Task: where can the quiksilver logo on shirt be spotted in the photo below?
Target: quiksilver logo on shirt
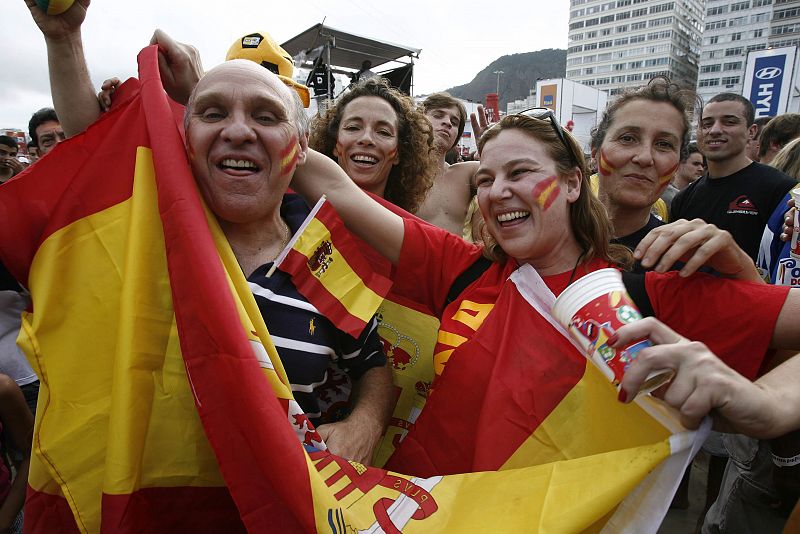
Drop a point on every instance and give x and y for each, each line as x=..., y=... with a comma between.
x=742, y=206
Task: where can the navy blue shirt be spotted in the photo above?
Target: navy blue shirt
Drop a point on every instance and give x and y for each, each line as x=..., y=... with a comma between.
x=306, y=341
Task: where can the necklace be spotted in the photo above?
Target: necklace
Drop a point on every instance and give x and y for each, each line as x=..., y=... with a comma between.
x=578, y=262
x=284, y=239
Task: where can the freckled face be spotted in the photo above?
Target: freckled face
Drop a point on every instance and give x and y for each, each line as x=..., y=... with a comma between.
x=523, y=200
x=640, y=153
x=366, y=145
x=242, y=146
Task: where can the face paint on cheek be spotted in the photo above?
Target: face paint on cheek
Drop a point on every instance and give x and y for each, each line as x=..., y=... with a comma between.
x=663, y=180
x=289, y=156
x=545, y=192
x=604, y=167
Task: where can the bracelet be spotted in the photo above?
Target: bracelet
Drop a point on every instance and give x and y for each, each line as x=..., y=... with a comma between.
x=786, y=462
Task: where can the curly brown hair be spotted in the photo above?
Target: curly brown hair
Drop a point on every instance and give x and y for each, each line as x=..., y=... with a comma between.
x=588, y=217
x=409, y=180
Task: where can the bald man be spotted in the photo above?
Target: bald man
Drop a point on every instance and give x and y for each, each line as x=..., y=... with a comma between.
x=240, y=120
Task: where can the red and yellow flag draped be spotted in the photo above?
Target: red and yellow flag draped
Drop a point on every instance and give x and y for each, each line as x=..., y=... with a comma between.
x=163, y=404
x=160, y=385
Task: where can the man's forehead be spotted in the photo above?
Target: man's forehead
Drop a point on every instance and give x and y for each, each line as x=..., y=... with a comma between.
x=452, y=110
x=49, y=126
x=240, y=72
x=726, y=108
x=7, y=148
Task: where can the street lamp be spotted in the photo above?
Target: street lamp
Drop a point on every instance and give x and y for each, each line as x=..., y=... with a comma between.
x=498, y=73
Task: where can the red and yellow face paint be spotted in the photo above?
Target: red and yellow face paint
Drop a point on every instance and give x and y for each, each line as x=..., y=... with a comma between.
x=289, y=156
x=665, y=179
x=604, y=167
x=545, y=192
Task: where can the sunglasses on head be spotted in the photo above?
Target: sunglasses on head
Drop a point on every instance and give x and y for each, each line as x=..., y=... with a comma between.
x=543, y=114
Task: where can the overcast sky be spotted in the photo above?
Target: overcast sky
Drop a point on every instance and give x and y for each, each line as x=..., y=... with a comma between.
x=457, y=39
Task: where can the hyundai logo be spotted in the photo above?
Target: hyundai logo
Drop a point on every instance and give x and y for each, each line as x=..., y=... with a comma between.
x=768, y=73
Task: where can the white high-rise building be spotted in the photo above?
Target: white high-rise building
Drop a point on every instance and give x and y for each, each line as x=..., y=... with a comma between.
x=618, y=44
x=784, y=28
x=734, y=28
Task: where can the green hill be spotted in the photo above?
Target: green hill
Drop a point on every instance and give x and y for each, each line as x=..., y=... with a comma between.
x=520, y=72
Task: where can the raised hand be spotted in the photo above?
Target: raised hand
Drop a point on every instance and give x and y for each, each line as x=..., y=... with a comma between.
x=179, y=65
x=62, y=25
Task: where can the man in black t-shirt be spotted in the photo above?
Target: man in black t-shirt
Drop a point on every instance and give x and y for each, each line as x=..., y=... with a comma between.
x=736, y=194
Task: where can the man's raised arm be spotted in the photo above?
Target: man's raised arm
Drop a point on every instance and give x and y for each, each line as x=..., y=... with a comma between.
x=74, y=98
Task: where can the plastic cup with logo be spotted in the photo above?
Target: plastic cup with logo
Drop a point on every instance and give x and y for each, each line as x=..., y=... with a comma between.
x=592, y=309
x=795, y=249
x=788, y=271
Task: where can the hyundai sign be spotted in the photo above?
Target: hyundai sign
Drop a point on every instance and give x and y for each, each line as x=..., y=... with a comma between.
x=768, y=80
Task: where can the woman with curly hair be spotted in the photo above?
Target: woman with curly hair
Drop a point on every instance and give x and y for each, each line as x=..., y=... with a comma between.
x=381, y=140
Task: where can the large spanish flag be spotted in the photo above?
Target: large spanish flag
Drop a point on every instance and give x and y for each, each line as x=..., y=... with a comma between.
x=160, y=385
x=520, y=394
x=164, y=406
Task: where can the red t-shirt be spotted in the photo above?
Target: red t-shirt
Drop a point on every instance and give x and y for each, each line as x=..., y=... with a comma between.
x=735, y=319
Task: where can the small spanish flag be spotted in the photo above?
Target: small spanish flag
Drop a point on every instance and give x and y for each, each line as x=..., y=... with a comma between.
x=328, y=269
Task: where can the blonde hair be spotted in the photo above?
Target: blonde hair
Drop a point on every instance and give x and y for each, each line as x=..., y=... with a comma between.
x=787, y=160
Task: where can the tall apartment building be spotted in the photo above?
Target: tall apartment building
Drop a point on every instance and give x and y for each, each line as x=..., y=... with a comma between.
x=734, y=28
x=618, y=44
x=784, y=28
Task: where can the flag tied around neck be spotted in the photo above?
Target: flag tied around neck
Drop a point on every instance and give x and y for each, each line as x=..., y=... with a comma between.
x=164, y=405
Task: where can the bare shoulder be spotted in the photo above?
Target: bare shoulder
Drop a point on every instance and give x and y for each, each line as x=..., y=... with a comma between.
x=462, y=170
x=459, y=175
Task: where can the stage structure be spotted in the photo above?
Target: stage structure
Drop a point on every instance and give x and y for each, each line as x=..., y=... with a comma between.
x=326, y=51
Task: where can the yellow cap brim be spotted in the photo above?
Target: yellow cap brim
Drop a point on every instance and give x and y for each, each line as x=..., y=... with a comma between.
x=302, y=90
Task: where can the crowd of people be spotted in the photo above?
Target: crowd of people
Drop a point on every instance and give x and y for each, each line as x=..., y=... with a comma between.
x=705, y=280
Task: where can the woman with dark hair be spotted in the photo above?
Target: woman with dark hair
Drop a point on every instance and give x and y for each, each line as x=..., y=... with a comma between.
x=381, y=140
